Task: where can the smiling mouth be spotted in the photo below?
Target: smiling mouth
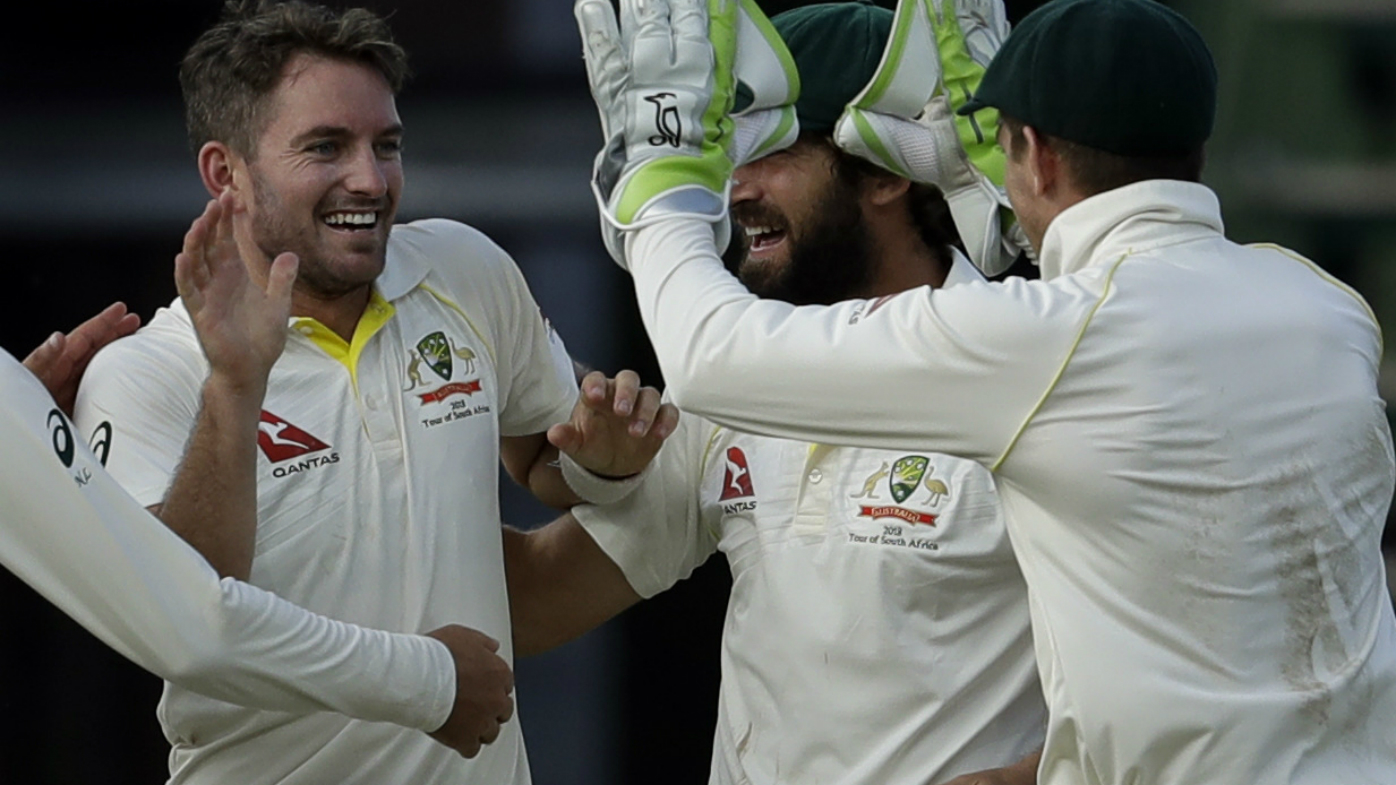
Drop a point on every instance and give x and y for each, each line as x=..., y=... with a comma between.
x=349, y=221
x=763, y=238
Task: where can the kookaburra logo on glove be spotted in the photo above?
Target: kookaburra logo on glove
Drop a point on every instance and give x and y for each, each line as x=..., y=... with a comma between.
x=666, y=120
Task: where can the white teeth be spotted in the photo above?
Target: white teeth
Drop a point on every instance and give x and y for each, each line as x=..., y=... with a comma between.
x=752, y=231
x=351, y=219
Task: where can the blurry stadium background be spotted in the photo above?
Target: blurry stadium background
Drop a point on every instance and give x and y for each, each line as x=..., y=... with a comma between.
x=97, y=187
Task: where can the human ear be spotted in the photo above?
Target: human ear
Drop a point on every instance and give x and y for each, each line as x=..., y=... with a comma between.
x=216, y=165
x=1042, y=161
x=883, y=190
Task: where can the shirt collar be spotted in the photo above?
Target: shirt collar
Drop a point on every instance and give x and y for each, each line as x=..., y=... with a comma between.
x=961, y=270
x=1136, y=217
x=402, y=272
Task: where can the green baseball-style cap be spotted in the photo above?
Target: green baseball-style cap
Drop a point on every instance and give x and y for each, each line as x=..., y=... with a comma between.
x=836, y=47
x=1129, y=77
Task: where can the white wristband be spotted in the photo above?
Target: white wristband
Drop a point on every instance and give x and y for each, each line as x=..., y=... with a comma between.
x=593, y=488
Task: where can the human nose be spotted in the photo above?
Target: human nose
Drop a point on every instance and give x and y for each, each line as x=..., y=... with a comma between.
x=746, y=184
x=367, y=174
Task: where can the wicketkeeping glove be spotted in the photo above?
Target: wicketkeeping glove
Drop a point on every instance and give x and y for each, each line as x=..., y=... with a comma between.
x=905, y=121
x=664, y=82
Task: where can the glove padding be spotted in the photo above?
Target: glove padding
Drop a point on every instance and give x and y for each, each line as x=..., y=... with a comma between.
x=905, y=121
x=664, y=82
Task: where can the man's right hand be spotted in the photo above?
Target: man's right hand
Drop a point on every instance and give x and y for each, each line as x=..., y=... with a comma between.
x=241, y=323
x=484, y=684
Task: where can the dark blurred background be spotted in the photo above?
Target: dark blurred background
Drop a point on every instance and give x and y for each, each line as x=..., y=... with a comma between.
x=98, y=186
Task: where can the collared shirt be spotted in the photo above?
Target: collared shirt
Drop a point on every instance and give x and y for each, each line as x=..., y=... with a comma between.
x=1193, y=459
x=70, y=532
x=877, y=630
x=377, y=488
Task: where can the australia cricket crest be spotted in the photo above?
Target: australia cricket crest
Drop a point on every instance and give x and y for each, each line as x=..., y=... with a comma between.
x=906, y=475
x=903, y=477
x=436, y=352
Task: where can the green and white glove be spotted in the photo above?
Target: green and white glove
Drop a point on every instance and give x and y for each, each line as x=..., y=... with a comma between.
x=664, y=82
x=765, y=67
x=905, y=121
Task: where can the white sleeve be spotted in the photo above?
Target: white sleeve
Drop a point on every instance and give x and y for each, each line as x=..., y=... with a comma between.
x=69, y=531
x=147, y=393
x=542, y=382
x=958, y=370
x=657, y=535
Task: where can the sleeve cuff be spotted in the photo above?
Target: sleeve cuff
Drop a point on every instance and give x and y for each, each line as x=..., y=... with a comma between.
x=593, y=488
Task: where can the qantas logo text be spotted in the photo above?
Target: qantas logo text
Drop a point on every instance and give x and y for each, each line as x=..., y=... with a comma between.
x=281, y=442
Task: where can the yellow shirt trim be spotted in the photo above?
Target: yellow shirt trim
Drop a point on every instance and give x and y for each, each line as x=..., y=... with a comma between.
x=1325, y=275
x=375, y=316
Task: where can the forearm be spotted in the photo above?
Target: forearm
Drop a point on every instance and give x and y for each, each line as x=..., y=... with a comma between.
x=212, y=500
x=70, y=532
x=561, y=585
x=545, y=481
x=856, y=372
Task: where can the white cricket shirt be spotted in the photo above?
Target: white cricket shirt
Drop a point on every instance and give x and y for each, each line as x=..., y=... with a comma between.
x=70, y=532
x=377, y=488
x=877, y=631
x=1193, y=459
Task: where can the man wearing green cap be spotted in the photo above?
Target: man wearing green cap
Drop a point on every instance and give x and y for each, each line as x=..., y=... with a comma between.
x=1186, y=433
x=877, y=630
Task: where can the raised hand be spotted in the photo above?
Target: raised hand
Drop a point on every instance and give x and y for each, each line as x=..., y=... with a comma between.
x=241, y=322
x=617, y=425
x=60, y=361
x=483, y=686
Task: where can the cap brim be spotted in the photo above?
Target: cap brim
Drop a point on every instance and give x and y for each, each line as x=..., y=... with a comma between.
x=972, y=106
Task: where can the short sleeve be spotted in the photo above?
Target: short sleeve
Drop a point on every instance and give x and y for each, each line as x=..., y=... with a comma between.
x=657, y=534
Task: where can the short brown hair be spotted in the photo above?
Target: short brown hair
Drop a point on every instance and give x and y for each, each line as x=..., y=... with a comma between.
x=232, y=68
x=1097, y=171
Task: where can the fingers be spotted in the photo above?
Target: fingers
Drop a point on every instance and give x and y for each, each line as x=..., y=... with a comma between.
x=191, y=268
x=626, y=388
x=281, y=281
x=112, y=323
x=665, y=422
x=42, y=360
x=596, y=391
x=565, y=437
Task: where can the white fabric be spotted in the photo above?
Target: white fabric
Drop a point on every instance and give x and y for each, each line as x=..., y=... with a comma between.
x=70, y=532
x=393, y=521
x=594, y=488
x=859, y=646
x=1193, y=458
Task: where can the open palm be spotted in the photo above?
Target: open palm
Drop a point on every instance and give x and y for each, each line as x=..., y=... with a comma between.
x=241, y=325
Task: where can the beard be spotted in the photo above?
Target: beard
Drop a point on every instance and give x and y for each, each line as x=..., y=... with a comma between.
x=275, y=231
x=830, y=256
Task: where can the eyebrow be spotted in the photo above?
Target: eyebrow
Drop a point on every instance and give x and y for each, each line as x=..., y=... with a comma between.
x=339, y=132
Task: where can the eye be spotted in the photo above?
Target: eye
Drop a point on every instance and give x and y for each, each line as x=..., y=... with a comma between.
x=391, y=148
x=326, y=148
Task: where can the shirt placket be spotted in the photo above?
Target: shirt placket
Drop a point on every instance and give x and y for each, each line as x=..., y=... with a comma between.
x=815, y=496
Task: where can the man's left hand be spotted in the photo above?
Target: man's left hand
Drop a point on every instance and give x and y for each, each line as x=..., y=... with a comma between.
x=617, y=425
x=60, y=361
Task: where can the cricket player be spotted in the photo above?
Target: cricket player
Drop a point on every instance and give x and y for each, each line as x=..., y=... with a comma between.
x=1186, y=434
x=877, y=630
x=346, y=458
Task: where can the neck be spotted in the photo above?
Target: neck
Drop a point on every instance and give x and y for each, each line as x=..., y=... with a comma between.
x=907, y=263
x=340, y=313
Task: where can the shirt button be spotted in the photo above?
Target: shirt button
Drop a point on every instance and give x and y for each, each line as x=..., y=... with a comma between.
x=370, y=402
x=816, y=475
x=306, y=329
